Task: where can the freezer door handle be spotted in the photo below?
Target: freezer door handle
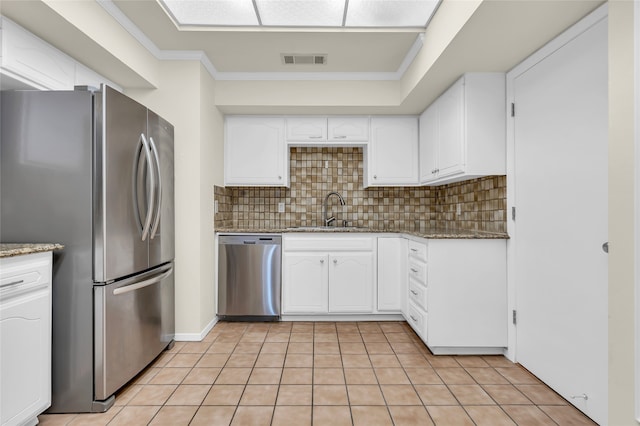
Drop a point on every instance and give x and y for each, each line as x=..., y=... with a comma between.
x=158, y=188
x=138, y=285
x=143, y=145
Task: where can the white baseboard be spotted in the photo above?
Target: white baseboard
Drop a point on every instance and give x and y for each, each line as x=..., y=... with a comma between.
x=196, y=337
x=357, y=317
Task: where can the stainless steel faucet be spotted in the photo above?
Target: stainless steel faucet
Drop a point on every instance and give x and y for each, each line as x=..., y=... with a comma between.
x=327, y=221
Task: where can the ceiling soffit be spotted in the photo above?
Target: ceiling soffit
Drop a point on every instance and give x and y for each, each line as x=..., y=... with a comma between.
x=255, y=53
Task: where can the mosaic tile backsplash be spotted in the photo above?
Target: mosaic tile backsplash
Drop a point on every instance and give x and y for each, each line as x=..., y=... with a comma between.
x=478, y=204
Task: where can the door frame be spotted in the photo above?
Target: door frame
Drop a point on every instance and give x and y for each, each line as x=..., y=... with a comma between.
x=548, y=49
x=636, y=66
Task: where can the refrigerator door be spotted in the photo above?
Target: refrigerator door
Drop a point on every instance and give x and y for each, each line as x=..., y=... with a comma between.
x=133, y=324
x=161, y=238
x=123, y=181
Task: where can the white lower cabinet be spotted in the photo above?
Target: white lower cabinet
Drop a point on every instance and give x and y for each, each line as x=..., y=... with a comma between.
x=306, y=276
x=461, y=306
x=351, y=282
x=322, y=275
x=392, y=279
x=25, y=330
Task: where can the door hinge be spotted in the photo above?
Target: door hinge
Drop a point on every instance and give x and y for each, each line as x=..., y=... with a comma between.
x=513, y=109
x=513, y=213
x=514, y=317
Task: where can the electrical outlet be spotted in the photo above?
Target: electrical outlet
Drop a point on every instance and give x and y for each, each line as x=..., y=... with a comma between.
x=215, y=206
x=458, y=209
x=280, y=207
x=326, y=164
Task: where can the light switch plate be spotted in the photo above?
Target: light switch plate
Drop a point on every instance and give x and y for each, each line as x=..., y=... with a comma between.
x=280, y=207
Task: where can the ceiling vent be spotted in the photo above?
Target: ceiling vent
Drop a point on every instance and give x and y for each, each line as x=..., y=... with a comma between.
x=303, y=59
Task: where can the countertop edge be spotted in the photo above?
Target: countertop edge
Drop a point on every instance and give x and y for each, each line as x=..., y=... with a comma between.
x=20, y=249
x=433, y=234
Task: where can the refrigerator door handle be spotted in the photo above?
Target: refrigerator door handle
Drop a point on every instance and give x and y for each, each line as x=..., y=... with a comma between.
x=142, y=144
x=158, y=203
x=138, y=285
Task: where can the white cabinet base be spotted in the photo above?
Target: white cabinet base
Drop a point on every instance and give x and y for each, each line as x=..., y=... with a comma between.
x=25, y=329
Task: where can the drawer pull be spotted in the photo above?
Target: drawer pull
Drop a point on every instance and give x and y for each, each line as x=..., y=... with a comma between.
x=13, y=283
x=415, y=271
x=414, y=293
x=414, y=250
x=413, y=318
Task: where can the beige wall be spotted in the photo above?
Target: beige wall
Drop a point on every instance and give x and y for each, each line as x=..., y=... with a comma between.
x=621, y=214
x=211, y=173
x=185, y=97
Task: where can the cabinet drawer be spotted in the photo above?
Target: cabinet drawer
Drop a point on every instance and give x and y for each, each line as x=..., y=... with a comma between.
x=418, y=294
x=24, y=273
x=417, y=320
x=418, y=271
x=328, y=243
x=418, y=250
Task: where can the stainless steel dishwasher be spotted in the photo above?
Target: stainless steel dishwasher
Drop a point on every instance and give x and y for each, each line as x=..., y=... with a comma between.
x=249, y=277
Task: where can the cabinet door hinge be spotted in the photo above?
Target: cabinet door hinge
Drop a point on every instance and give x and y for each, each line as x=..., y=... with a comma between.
x=513, y=213
x=514, y=317
x=513, y=109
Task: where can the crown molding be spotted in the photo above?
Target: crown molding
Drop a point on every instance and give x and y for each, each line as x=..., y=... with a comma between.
x=199, y=55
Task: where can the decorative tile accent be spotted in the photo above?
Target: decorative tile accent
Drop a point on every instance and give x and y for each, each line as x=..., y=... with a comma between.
x=482, y=202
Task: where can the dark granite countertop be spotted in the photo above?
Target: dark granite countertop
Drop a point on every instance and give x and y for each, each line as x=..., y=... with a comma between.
x=18, y=249
x=433, y=233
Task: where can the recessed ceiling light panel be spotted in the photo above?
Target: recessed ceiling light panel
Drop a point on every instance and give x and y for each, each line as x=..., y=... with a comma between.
x=212, y=12
x=301, y=13
x=389, y=13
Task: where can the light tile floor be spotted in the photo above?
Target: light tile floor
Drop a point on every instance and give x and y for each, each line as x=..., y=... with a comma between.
x=325, y=373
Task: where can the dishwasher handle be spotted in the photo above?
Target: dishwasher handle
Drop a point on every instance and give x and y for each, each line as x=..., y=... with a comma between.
x=244, y=239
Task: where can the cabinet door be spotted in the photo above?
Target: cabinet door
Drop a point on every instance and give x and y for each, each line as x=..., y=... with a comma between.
x=25, y=357
x=304, y=285
x=392, y=273
x=255, y=152
x=306, y=129
x=467, y=293
x=348, y=129
x=429, y=144
x=451, y=131
x=393, y=151
x=351, y=282
x=29, y=58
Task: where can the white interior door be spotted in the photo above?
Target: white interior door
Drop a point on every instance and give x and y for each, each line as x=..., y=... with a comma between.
x=560, y=161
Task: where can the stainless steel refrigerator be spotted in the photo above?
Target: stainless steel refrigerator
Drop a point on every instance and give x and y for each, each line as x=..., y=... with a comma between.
x=93, y=170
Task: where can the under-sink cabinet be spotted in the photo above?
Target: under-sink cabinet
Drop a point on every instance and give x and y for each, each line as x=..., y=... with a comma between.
x=328, y=275
x=457, y=294
x=255, y=151
x=25, y=327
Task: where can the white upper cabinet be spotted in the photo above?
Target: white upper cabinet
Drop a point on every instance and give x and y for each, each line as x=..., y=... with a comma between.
x=392, y=155
x=255, y=152
x=36, y=64
x=306, y=129
x=327, y=131
x=462, y=134
x=348, y=129
x=30, y=59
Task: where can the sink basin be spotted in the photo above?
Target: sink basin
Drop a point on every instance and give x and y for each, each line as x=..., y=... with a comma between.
x=326, y=228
